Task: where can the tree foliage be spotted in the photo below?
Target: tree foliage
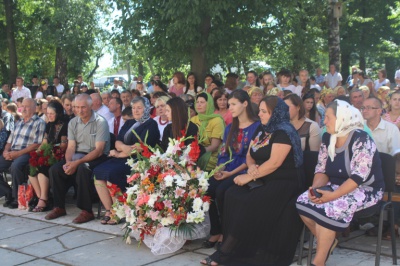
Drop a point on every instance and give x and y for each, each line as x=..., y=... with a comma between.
x=43, y=26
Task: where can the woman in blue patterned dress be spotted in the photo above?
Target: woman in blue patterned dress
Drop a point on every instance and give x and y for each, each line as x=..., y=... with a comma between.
x=349, y=162
x=235, y=144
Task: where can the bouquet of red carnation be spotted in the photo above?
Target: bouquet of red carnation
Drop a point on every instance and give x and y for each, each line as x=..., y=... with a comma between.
x=46, y=155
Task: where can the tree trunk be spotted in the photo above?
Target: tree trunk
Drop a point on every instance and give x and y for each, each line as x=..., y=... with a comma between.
x=128, y=70
x=199, y=63
x=345, y=66
x=140, y=68
x=245, y=67
x=61, y=66
x=12, y=48
x=390, y=66
x=363, y=33
x=151, y=67
x=96, y=67
x=333, y=37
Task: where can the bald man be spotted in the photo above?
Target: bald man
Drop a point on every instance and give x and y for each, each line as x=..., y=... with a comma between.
x=26, y=137
x=99, y=107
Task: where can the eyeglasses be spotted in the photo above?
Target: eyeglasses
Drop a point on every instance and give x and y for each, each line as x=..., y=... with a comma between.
x=369, y=108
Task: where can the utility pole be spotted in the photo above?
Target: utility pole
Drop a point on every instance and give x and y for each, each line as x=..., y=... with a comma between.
x=334, y=13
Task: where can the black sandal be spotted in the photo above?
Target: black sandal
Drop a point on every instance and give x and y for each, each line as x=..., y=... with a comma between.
x=105, y=219
x=41, y=209
x=209, y=244
x=209, y=261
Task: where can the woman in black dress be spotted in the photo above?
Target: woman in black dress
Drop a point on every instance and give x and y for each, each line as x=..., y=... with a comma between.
x=56, y=133
x=177, y=112
x=261, y=225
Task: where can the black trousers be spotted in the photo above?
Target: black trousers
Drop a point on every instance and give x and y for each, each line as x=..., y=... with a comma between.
x=216, y=190
x=60, y=182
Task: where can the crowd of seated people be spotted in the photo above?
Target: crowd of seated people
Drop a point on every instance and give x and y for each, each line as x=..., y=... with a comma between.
x=264, y=124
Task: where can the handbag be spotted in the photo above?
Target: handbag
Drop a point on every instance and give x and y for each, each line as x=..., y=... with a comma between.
x=25, y=194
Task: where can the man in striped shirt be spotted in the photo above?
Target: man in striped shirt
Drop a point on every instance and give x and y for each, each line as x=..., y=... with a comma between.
x=26, y=137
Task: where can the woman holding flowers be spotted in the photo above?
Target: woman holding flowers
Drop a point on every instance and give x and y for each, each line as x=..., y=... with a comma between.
x=176, y=112
x=235, y=144
x=211, y=128
x=134, y=132
x=261, y=224
x=55, y=138
x=349, y=165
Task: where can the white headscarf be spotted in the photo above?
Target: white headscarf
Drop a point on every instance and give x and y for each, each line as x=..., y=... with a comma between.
x=348, y=118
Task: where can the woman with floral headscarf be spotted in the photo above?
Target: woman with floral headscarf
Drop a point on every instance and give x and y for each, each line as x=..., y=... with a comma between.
x=261, y=224
x=349, y=164
x=211, y=130
x=115, y=170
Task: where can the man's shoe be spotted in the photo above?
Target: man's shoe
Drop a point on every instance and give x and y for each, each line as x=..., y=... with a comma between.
x=13, y=205
x=55, y=213
x=83, y=217
x=7, y=203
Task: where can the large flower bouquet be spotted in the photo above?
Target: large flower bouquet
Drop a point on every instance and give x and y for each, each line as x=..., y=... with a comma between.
x=165, y=203
x=46, y=155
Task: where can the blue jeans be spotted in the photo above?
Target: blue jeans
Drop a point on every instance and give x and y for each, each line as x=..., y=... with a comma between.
x=18, y=174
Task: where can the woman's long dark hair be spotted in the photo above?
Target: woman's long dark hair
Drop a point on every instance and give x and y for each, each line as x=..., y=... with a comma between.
x=313, y=110
x=242, y=96
x=179, y=115
x=187, y=82
x=59, y=110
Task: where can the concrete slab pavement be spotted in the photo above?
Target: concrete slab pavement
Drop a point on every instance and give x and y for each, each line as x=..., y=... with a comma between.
x=28, y=239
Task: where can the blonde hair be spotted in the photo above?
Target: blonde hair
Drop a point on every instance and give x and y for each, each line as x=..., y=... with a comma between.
x=255, y=89
x=274, y=91
x=337, y=90
x=163, y=99
x=325, y=92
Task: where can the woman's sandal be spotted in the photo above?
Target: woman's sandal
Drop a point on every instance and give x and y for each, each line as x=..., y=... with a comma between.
x=41, y=208
x=208, y=244
x=333, y=246
x=114, y=220
x=106, y=218
x=208, y=261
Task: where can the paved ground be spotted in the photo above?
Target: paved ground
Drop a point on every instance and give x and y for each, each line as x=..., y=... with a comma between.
x=27, y=239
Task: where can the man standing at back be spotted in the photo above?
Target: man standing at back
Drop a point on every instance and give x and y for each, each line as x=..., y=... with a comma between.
x=88, y=146
x=59, y=87
x=333, y=78
x=21, y=90
x=27, y=137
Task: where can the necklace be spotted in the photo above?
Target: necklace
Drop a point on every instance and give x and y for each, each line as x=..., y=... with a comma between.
x=161, y=123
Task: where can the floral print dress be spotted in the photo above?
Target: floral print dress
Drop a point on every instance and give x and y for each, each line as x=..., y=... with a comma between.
x=358, y=159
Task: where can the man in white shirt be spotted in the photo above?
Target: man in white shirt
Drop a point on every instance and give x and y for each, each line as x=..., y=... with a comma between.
x=21, y=90
x=397, y=78
x=386, y=135
x=99, y=107
x=333, y=78
x=59, y=87
x=116, y=86
x=115, y=124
